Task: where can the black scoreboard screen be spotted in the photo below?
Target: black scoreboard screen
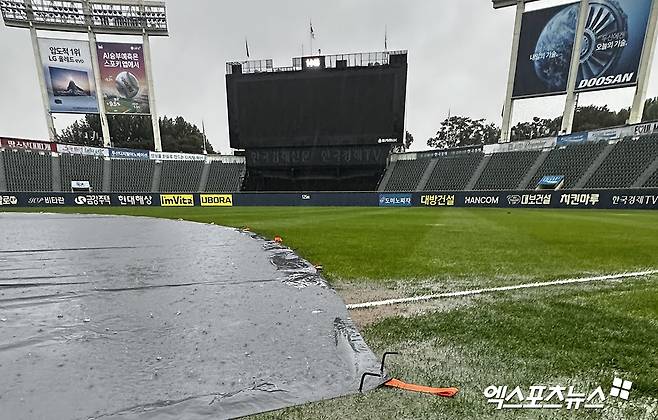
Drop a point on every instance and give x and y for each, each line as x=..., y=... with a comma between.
x=317, y=107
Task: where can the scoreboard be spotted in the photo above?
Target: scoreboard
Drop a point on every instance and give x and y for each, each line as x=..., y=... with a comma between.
x=317, y=105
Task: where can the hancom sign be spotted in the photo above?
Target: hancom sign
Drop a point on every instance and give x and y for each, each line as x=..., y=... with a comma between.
x=216, y=200
x=395, y=200
x=611, y=47
x=177, y=200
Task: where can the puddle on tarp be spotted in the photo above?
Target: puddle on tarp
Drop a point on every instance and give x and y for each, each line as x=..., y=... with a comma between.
x=120, y=317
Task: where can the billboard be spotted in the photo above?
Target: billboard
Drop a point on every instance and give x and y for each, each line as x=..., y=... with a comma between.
x=318, y=107
x=610, y=52
x=69, y=76
x=123, y=78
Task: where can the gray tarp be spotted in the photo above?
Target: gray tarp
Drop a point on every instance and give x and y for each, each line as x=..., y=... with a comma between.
x=119, y=317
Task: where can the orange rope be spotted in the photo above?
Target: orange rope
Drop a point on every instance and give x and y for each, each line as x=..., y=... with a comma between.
x=441, y=392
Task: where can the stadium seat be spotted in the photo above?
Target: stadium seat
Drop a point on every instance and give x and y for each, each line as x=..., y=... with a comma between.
x=81, y=168
x=28, y=171
x=407, y=174
x=225, y=177
x=453, y=172
x=132, y=175
x=625, y=163
x=652, y=182
x=506, y=170
x=181, y=175
x=570, y=161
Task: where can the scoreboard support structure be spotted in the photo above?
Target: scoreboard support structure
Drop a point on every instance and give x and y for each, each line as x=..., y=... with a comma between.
x=637, y=109
x=508, y=107
x=570, y=101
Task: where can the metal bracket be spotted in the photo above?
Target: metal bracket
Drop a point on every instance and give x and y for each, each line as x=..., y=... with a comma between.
x=381, y=370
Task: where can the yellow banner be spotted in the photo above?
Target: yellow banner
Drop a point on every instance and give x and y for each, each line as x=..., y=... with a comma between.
x=217, y=200
x=176, y=200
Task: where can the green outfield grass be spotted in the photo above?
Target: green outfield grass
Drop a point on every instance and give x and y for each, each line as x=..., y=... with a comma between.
x=481, y=245
x=581, y=335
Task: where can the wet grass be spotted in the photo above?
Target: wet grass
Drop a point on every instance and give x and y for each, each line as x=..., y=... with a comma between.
x=479, y=246
x=577, y=336
x=581, y=335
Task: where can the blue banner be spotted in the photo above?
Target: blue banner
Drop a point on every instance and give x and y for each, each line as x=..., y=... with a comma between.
x=129, y=154
x=395, y=200
x=572, y=138
x=610, y=52
x=646, y=198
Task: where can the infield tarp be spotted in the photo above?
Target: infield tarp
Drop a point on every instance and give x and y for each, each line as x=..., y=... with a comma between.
x=116, y=317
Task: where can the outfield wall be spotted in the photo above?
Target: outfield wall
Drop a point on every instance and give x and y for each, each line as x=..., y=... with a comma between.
x=585, y=199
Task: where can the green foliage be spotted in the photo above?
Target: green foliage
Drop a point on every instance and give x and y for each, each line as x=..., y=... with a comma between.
x=464, y=131
x=136, y=132
x=458, y=131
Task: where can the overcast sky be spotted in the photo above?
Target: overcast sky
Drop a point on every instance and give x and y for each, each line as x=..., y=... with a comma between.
x=458, y=58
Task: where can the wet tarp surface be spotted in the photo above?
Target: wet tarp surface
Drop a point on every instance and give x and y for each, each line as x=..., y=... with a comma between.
x=120, y=317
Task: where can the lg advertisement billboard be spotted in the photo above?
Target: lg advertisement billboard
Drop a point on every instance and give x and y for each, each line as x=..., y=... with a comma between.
x=123, y=78
x=69, y=76
x=610, y=51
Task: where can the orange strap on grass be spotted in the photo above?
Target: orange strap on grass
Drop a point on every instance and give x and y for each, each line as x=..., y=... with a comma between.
x=441, y=392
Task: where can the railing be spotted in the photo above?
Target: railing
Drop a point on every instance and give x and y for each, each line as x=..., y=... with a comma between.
x=330, y=62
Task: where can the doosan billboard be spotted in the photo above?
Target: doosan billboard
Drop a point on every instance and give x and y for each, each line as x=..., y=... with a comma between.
x=610, y=52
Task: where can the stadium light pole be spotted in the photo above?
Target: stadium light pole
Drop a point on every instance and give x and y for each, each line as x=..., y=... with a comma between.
x=116, y=17
x=105, y=128
x=508, y=107
x=644, y=71
x=50, y=124
x=570, y=101
x=149, y=79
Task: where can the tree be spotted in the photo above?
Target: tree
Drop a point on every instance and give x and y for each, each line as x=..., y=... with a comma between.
x=537, y=128
x=458, y=131
x=136, y=132
x=408, y=140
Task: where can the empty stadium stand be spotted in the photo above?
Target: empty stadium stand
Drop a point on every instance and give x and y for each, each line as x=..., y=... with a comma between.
x=570, y=161
x=27, y=170
x=628, y=163
x=180, y=175
x=225, y=177
x=625, y=163
x=406, y=174
x=453, y=172
x=81, y=168
x=652, y=182
x=132, y=175
x=506, y=170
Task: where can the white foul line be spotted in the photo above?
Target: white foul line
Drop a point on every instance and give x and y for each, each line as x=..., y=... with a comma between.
x=498, y=289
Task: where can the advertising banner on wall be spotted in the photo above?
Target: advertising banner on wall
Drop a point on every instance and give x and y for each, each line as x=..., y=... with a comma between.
x=69, y=77
x=610, y=53
x=128, y=154
x=38, y=146
x=123, y=78
x=82, y=150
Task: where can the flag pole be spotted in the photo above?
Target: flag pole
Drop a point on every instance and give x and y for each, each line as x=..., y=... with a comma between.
x=311, y=35
x=203, y=130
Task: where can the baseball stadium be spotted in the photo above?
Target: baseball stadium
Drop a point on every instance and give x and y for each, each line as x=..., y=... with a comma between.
x=326, y=266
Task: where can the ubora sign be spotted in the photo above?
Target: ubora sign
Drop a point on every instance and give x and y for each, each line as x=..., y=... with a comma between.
x=217, y=200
